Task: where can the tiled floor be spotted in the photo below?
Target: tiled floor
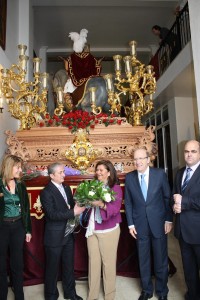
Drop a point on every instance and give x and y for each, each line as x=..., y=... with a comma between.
x=127, y=288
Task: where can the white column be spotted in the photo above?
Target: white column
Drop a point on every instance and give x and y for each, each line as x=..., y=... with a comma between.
x=26, y=31
x=24, y=20
x=194, y=9
x=43, y=56
x=182, y=127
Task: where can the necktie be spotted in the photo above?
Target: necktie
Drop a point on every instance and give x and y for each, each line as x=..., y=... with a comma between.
x=143, y=186
x=186, y=180
x=61, y=189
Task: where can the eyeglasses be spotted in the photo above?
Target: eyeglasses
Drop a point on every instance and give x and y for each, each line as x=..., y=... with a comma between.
x=140, y=159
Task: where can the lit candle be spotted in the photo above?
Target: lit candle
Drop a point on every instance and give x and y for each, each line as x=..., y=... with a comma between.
x=44, y=78
x=23, y=59
x=29, y=98
x=92, y=91
x=109, y=82
x=117, y=59
x=128, y=66
x=60, y=95
x=36, y=64
x=133, y=45
x=149, y=69
x=22, y=49
x=5, y=73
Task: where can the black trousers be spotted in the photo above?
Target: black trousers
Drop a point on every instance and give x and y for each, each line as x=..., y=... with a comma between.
x=55, y=255
x=12, y=236
x=191, y=266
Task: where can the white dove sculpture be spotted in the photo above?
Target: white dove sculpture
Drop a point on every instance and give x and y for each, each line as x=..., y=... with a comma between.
x=79, y=40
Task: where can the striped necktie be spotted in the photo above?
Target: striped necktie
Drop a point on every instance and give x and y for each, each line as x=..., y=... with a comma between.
x=62, y=190
x=186, y=180
x=143, y=186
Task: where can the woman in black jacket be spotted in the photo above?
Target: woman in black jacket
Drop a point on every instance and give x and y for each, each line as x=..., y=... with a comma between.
x=15, y=224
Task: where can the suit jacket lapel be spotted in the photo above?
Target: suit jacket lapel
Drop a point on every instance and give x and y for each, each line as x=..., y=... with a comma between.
x=181, y=178
x=152, y=180
x=194, y=177
x=56, y=192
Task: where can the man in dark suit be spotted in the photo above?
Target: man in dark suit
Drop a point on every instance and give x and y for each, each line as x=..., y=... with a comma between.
x=187, y=209
x=149, y=217
x=58, y=205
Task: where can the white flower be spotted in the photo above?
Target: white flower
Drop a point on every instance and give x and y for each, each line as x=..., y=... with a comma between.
x=107, y=197
x=91, y=193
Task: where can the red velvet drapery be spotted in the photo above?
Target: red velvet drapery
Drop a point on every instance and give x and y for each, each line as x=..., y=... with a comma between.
x=81, y=66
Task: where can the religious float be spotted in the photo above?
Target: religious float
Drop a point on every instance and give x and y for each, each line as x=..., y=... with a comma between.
x=78, y=135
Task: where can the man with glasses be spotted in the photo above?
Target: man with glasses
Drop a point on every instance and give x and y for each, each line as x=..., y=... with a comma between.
x=187, y=209
x=149, y=217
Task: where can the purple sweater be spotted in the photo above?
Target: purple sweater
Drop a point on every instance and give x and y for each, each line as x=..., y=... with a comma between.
x=111, y=216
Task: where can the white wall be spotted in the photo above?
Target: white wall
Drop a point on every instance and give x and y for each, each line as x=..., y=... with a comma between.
x=194, y=8
x=19, y=29
x=8, y=57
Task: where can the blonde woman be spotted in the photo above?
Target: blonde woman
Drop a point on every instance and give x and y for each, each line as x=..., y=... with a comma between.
x=15, y=224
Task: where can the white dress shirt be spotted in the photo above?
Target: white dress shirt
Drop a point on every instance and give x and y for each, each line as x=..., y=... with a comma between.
x=62, y=191
x=193, y=169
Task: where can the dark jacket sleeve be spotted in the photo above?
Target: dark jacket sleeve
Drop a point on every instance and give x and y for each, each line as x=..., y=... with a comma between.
x=25, y=206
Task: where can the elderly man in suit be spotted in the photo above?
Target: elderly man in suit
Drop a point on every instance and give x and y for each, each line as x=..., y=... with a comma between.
x=149, y=217
x=59, y=207
x=187, y=224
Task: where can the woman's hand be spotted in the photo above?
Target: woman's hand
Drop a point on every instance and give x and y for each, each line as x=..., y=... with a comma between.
x=99, y=203
x=28, y=237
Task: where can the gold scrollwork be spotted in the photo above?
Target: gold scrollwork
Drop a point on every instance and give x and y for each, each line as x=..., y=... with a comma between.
x=81, y=153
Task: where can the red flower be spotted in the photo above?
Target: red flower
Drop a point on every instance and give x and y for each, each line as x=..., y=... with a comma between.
x=79, y=119
x=119, y=121
x=50, y=122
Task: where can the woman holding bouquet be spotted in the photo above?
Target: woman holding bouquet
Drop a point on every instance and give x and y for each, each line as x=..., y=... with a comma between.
x=103, y=234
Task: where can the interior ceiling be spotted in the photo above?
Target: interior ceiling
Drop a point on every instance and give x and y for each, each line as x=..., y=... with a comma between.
x=111, y=23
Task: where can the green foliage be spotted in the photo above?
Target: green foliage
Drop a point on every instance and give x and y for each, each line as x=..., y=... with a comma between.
x=92, y=190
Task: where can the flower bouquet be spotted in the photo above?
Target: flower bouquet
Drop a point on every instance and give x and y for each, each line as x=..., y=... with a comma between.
x=89, y=191
x=85, y=194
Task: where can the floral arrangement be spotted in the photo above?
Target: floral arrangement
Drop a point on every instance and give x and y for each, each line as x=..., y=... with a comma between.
x=29, y=172
x=92, y=190
x=77, y=119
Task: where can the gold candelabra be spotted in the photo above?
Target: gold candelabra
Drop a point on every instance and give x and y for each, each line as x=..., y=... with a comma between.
x=139, y=84
x=26, y=100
